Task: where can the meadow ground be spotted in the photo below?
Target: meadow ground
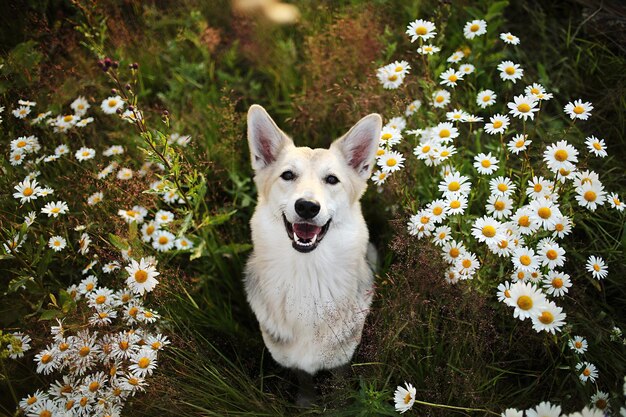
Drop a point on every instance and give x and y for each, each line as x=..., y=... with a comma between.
x=127, y=192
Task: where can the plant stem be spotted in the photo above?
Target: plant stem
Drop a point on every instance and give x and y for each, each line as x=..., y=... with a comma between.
x=452, y=407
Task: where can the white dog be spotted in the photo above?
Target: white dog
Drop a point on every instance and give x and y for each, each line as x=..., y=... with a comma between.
x=308, y=280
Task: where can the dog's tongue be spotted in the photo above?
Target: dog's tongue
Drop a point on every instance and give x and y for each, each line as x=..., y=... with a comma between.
x=306, y=231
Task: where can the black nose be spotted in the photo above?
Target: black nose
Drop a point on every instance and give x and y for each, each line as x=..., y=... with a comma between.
x=307, y=209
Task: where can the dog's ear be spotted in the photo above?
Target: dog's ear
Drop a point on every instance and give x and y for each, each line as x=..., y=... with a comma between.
x=359, y=145
x=264, y=138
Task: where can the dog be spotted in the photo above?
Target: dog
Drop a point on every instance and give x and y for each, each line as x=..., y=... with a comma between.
x=309, y=279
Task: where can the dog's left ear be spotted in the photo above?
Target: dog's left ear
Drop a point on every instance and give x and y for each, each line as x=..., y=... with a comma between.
x=359, y=145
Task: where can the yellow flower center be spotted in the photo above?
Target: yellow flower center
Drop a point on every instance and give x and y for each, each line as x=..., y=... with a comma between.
x=57, y=243
x=525, y=260
x=590, y=196
x=525, y=302
x=100, y=299
x=391, y=162
x=455, y=204
x=407, y=398
x=552, y=254
x=68, y=118
x=453, y=78
x=141, y=276
x=560, y=155
x=437, y=210
x=424, y=219
x=17, y=157
x=466, y=263
x=534, y=90
x=133, y=381
x=521, y=275
x=486, y=98
x=123, y=345
x=520, y=143
x=393, y=77
x=439, y=99
x=21, y=144
x=578, y=344
x=83, y=401
x=507, y=293
x=93, y=387
x=442, y=235
x=69, y=405
x=454, y=252
x=485, y=163
x=28, y=191
x=544, y=212
x=489, y=231
x=445, y=133
x=45, y=413
x=84, y=351
x=497, y=124
x=399, y=68
x=425, y=149
x=579, y=109
x=546, y=317
x=499, y=205
x=510, y=70
x=46, y=358
x=586, y=372
x=112, y=103
x=523, y=108
x=163, y=240
x=89, y=286
x=143, y=362
x=445, y=153
x=148, y=314
x=421, y=30
x=156, y=345
x=454, y=186
x=559, y=227
x=55, y=210
x=63, y=346
x=557, y=283
x=597, y=146
x=474, y=27
x=502, y=187
x=386, y=136
x=596, y=267
x=564, y=172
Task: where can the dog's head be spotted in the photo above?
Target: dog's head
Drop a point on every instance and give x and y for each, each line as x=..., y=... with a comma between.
x=307, y=189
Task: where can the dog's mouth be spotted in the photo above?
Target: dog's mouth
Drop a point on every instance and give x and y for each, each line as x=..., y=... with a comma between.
x=305, y=236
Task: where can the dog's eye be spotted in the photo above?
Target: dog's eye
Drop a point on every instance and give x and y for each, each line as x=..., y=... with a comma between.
x=331, y=179
x=288, y=176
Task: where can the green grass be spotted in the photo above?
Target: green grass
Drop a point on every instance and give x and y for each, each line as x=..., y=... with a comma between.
x=206, y=65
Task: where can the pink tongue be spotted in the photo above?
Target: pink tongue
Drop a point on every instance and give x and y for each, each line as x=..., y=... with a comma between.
x=306, y=231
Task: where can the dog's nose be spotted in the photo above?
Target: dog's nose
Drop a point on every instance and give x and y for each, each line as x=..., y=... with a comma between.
x=307, y=209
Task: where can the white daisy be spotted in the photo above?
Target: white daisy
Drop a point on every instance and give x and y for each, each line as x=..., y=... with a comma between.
x=391, y=162
x=488, y=230
x=485, y=164
x=544, y=409
x=590, y=195
x=545, y=212
x=141, y=276
x=510, y=71
x=27, y=190
x=455, y=182
x=136, y=214
x=526, y=299
x=441, y=235
x=124, y=174
x=466, y=69
x=456, y=57
x=486, y=98
x=523, y=107
x=80, y=106
x=163, y=240
x=95, y=198
x=539, y=187
x=143, y=362
x=549, y=318
x=597, y=267
x=404, y=398
x=57, y=243
x=467, y=264
x=84, y=154
x=441, y=98
x=552, y=255
x=428, y=49
x=413, y=107
x=560, y=155
x=21, y=112
x=452, y=250
x=112, y=104
x=445, y=132
x=457, y=115
x=456, y=203
x=578, y=109
x=47, y=360
x=518, y=143
x=450, y=77
x=525, y=259
x=499, y=206
x=475, y=28
x=588, y=371
x=596, y=146
x=615, y=201
x=578, y=344
x=421, y=29
x=509, y=38
x=390, y=136
x=502, y=186
x=182, y=243
x=497, y=124
x=379, y=177
x=600, y=401
x=56, y=208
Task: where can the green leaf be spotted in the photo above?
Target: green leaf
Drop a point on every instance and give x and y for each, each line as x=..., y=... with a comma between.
x=50, y=314
x=118, y=242
x=18, y=283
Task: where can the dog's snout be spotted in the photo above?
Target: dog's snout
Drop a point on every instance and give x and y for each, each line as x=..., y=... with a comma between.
x=307, y=209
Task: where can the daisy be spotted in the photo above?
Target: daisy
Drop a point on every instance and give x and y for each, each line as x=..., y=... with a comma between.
x=597, y=267
x=18, y=345
x=107, y=170
x=22, y=144
x=21, y=112
x=30, y=402
x=147, y=316
x=596, y=146
x=101, y=298
x=450, y=77
x=143, y=362
x=95, y=198
x=560, y=155
x=499, y=206
x=47, y=360
x=456, y=57
x=441, y=98
x=510, y=71
x=438, y=210
x=588, y=371
x=501, y=186
x=84, y=122
x=455, y=182
x=17, y=158
x=503, y=247
x=600, y=400
x=124, y=174
x=103, y=317
x=512, y=412
x=84, y=351
x=61, y=150
x=390, y=136
x=549, y=318
x=400, y=68
x=132, y=384
x=87, y=285
x=379, y=177
x=445, y=132
x=388, y=78
x=526, y=298
x=509, y=38
x=182, y=243
x=163, y=240
x=136, y=214
x=112, y=104
x=471, y=118
x=84, y=154
x=421, y=224
x=615, y=201
x=590, y=195
x=578, y=344
x=497, y=124
x=110, y=267
x=397, y=123
x=113, y=150
x=578, y=109
x=523, y=107
x=452, y=276
x=504, y=291
x=452, y=251
x=441, y=235
x=525, y=259
x=475, y=28
x=557, y=283
x=80, y=106
x=467, y=264
x=141, y=276
x=27, y=190
x=57, y=243
x=421, y=29
x=552, y=255
x=485, y=164
x=486, y=98
x=518, y=143
x=457, y=115
x=54, y=209
x=428, y=49
x=544, y=409
x=545, y=212
x=539, y=187
x=391, y=162
x=404, y=397
x=157, y=342
x=487, y=230
x=64, y=122
x=41, y=117
x=466, y=69
x=45, y=407
x=456, y=203
x=29, y=219
x=413, y=107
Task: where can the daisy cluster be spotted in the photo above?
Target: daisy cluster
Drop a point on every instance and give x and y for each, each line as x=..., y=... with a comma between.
x=109, y=361
x=526, y=206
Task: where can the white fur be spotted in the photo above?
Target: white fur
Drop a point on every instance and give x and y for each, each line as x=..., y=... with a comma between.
x=311, y=307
